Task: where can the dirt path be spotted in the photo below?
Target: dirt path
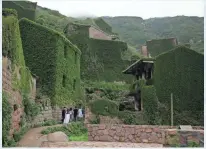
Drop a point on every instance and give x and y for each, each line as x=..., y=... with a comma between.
x=34, y=138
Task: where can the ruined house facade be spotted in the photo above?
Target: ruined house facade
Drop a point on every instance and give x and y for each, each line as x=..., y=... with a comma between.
x=91, y=31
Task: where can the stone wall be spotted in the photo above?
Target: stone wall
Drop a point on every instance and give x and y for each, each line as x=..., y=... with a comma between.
x=141, y=133
x=98, y=34
x=15, y=98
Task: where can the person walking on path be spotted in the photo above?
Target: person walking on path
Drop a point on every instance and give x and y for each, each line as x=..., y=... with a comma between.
x=63, y=114
x=67, y=117
x=75, y=113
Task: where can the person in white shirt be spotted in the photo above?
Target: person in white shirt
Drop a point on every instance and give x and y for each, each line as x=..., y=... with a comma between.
x=67, y=117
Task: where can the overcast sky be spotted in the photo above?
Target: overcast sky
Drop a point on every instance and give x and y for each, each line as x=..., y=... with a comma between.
x=142, y=8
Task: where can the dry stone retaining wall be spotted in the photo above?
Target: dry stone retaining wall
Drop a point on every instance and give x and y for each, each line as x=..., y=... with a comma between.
x=141, y=133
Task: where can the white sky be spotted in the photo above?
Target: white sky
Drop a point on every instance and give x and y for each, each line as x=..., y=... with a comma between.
x=141, y=8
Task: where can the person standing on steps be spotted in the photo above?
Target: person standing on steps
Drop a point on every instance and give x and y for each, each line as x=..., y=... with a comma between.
x=75, y=113
x=63, y=114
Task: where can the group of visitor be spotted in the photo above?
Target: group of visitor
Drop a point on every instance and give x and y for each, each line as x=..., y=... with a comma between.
x=71, y=114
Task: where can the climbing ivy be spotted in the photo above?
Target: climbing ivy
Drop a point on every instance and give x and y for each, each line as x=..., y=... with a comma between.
x=158, y=46
x=181, y=72
x=12, y=48
x=101, y=59
x=104, y=107
x=6, y=120
x=54, y=59
x=150, y=102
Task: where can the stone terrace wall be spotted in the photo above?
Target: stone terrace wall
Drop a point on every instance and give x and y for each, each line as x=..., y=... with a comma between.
x=127, y=133
x=139, y=133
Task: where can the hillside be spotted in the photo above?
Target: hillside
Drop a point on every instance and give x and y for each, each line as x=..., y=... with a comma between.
x=136, y=31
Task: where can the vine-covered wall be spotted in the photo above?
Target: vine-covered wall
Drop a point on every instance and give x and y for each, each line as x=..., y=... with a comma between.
x=101, y=59
x=181, y=72
x=12, y=48
x=24, y=9
x=158, y=46
x=54, y=59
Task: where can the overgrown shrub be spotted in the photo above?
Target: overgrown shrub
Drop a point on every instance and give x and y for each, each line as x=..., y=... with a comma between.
x=181, y=72
x=130, y=118
x=18, y=135
x=54, y=59
x=95, y=120
x=31, y=109
x=104, y=107
x=150, y=101
x=6, y=120
x=74, y=129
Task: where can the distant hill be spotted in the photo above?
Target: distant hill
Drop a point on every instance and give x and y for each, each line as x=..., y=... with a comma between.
x=135, y=30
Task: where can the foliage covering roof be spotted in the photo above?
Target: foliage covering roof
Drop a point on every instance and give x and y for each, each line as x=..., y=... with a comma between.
x=129, y=69
x=52, y=32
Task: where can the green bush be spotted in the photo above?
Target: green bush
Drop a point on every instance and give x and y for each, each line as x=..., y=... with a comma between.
x=130, y=118
x=159, y=46
x=6, y=119
x=8, y=12
x=74, y=129
x=181, y=72
x=95, y=120
x=104, y=107
x=31, y=109
x=137, y=84
x=22, y=12
x=150, y=102
x=18, y=135
x=54, y=59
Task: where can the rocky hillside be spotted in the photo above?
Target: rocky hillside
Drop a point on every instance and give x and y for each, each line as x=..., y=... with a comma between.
x=136, y=31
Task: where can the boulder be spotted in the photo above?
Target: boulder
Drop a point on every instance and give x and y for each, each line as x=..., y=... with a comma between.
x=57, y=137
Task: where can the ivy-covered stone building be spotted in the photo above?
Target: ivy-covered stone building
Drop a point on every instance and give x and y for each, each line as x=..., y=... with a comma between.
x=180, y=72
x=101, y=55
x=54, y=60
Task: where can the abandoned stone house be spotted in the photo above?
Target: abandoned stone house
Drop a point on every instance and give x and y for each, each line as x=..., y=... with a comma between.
x=90, y=31
x=53, y=58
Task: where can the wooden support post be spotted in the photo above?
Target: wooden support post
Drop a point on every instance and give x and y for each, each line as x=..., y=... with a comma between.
x=171, y=109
